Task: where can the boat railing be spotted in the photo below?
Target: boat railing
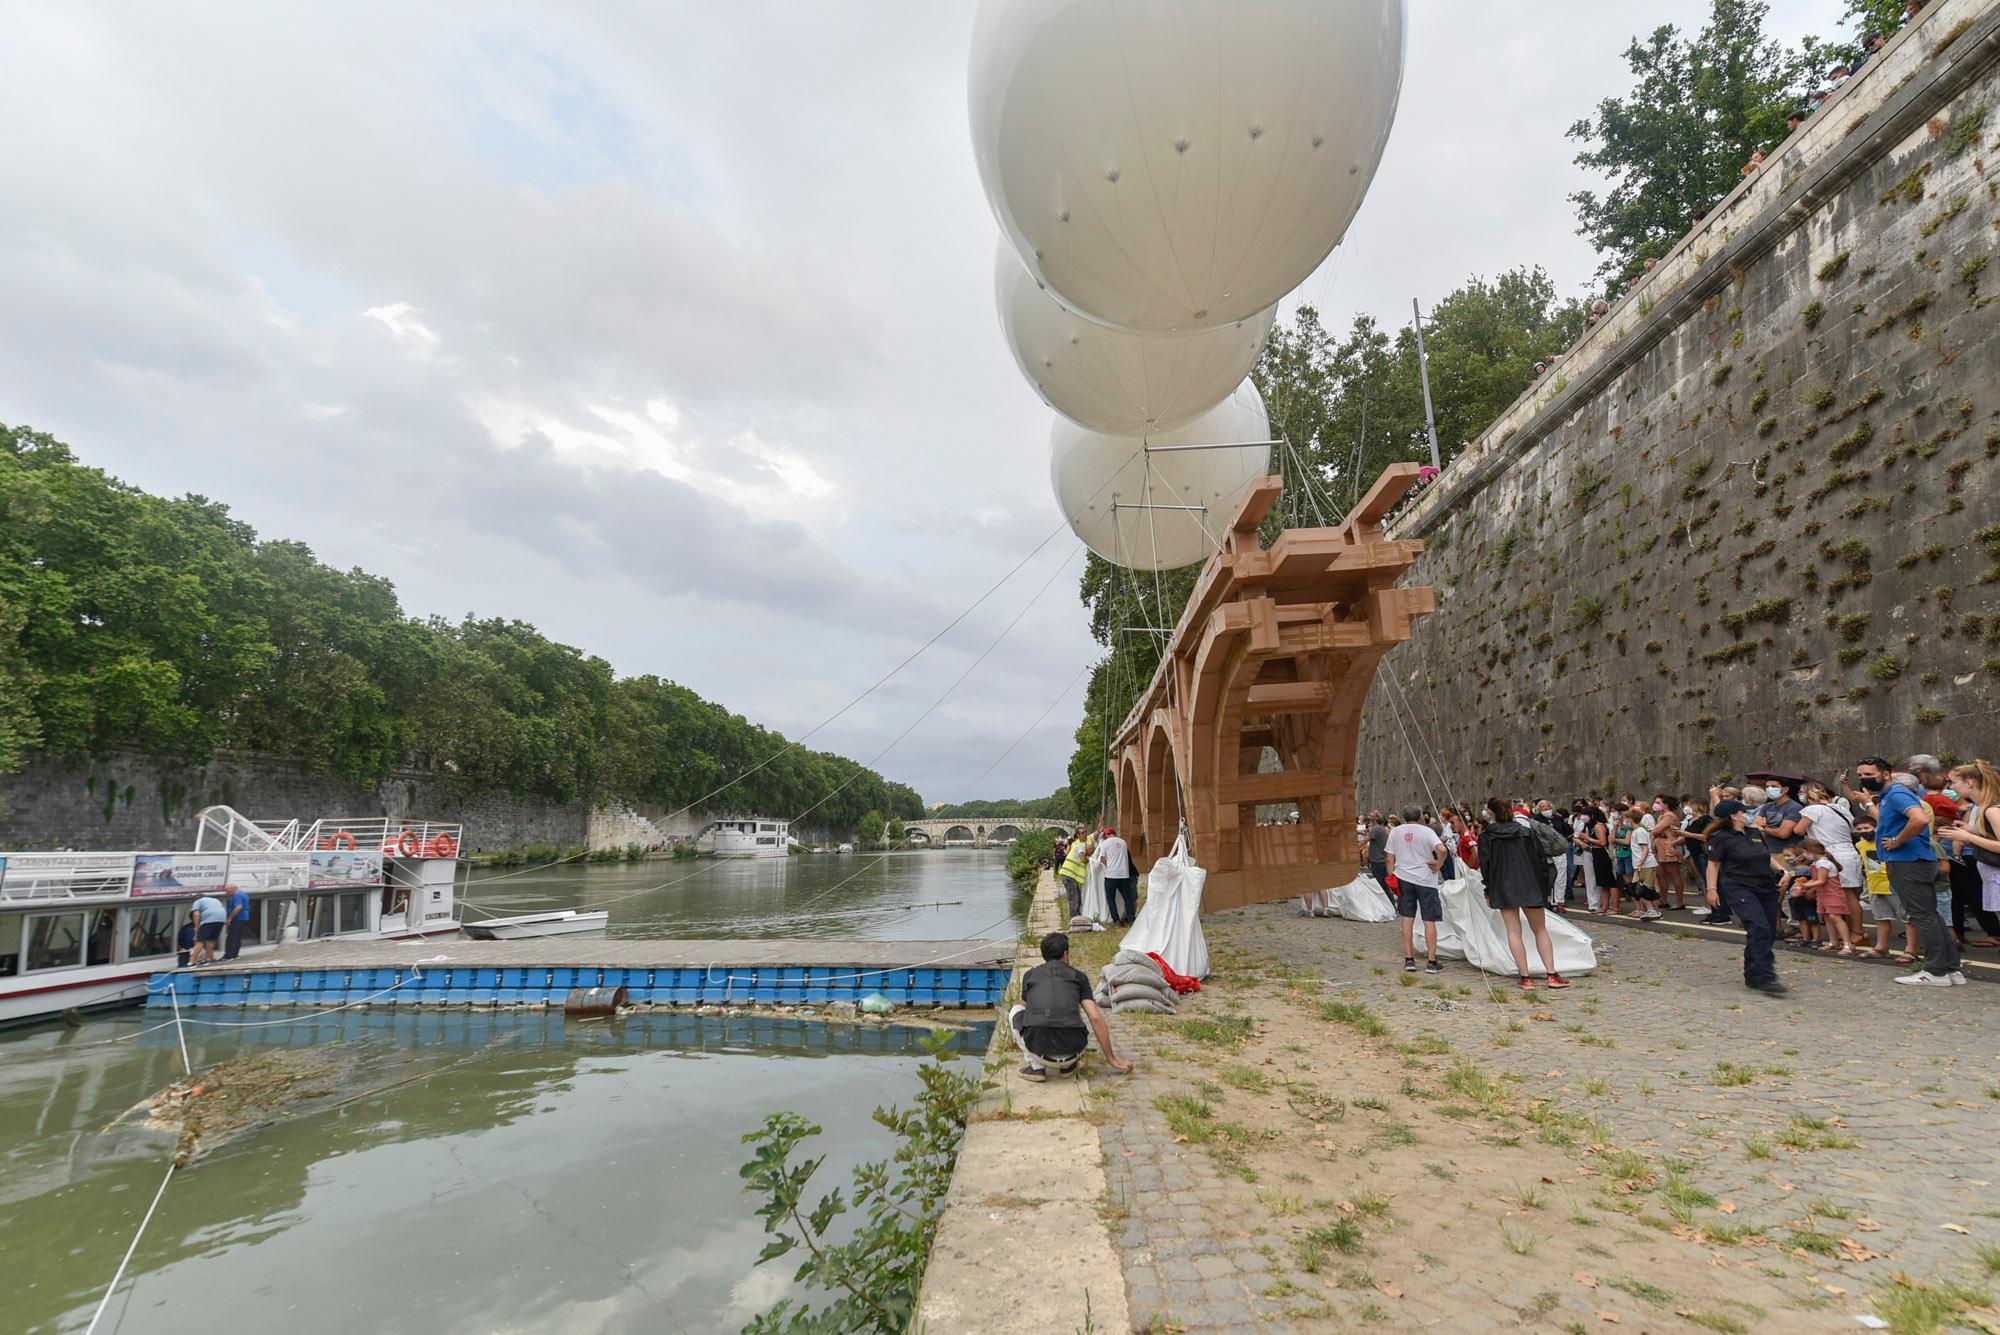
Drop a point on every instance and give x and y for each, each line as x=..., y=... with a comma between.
x=44, y=878
x=227, y=829
x=388, y=836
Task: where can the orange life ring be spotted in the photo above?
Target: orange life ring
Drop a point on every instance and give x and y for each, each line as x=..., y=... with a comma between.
x=444, y=846
x=342, y=839
x=409, y=845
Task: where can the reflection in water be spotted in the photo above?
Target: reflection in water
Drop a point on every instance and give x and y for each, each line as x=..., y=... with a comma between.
x=527, y=1173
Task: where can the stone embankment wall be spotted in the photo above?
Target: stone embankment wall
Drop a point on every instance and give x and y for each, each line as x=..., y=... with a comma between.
x=128, y=800
x=1752, y=518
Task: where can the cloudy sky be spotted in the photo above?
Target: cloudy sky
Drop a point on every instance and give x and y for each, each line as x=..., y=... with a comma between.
x=667, y=327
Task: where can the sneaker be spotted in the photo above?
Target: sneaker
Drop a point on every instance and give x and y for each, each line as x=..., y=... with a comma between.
x=1773, y=988
x=1924, y=978
x=1701, y=912
x=1409, y=966
x=1526, y=984
x=1958, y=978
x=1034, y=1073
x=1556, y=982
x=1432, y=966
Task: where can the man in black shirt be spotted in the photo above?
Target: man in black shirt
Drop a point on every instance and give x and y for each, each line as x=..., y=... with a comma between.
x=1056, y=1015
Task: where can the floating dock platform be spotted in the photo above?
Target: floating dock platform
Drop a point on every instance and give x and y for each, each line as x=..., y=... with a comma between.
x=496, y=974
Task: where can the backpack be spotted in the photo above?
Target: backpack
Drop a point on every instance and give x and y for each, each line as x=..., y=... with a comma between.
x=1552, y=844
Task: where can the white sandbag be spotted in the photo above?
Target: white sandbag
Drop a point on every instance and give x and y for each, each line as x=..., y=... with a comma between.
x=1141, y=992
x=1361, y=900
x=1147, y=973
x=1479, y=936
x=1144, y=1004
x=1095, y=905
x=1138, y=957
x=1170, y=920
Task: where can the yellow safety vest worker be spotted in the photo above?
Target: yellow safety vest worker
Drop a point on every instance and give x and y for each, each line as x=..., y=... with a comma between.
x=1076, y=865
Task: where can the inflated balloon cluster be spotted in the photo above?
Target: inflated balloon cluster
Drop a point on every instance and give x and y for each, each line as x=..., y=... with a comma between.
x=1164, y=173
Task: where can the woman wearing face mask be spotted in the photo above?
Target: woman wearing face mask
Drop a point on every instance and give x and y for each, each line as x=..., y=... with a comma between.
x=1669, y=849
x=1742, y=871
x=1976, y=839
x=1830, y=826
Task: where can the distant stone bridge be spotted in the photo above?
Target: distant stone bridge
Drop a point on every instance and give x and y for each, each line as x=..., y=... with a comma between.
x=986, y=832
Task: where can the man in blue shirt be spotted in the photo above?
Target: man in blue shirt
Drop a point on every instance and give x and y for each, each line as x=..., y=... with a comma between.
x=238, y=919
x=208, y=916
x=1903, y=842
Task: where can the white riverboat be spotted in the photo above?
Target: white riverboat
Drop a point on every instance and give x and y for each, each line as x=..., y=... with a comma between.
x=527, y=926
x=81, y=930
x=751, y=837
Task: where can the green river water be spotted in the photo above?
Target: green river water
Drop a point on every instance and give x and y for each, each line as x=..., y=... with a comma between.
x=522, y=1174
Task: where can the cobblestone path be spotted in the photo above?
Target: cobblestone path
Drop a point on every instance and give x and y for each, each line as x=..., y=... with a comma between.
x=1680, y=1153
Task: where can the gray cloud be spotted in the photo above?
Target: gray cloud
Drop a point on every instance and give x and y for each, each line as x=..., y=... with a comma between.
x=682, y=342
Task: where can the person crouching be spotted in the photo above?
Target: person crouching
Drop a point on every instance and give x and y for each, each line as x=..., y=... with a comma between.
x=1056, y=1015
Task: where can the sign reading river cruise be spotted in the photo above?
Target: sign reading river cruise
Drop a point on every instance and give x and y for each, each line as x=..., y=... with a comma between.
x=81, y=930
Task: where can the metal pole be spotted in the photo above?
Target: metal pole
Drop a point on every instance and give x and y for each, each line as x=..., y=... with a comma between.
x=1424, y=370
x=1129, y=505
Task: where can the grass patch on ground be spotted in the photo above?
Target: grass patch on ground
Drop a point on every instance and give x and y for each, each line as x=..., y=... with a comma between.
x=1355, y=1016
x=1911, y=1308
x=1221, y=1031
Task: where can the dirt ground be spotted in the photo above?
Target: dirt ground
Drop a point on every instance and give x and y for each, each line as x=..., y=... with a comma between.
x=1364, y=1172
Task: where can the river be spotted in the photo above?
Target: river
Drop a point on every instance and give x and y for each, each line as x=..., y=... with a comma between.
x=523, y=1174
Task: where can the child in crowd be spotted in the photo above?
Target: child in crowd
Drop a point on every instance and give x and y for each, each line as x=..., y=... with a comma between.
x=1621, y=862
x=1798, y=887
x=1822, y=882
x=1883, y=906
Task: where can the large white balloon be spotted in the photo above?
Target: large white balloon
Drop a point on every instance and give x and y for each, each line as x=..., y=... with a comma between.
x=1104, y=482
x=1109, y=380
x=1172, y=165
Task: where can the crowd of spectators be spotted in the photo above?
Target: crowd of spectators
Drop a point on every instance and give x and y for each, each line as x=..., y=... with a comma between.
x=1900, y=863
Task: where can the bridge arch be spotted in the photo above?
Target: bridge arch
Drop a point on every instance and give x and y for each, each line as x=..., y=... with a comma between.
x=1003, y=834
x=958, y=834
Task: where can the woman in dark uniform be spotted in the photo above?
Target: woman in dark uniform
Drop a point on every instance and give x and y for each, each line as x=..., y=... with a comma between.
x=1742, y=873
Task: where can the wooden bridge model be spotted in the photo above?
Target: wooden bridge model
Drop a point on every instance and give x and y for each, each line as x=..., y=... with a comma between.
x=1274, y=654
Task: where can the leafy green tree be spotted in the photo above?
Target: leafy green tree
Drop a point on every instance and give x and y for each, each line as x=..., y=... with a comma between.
x=127, y=620
x=1701, y=107
x=869, y=828
x=896, y=832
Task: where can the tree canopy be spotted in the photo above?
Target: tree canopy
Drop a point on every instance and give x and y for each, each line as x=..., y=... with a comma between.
x=1056, y=806
x=1700, y=107
x=129, y=620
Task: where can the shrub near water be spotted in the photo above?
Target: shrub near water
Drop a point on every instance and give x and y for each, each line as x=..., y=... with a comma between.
x=1026, y=855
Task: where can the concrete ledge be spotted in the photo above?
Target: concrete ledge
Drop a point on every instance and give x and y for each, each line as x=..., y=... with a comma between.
x=1031, y=1169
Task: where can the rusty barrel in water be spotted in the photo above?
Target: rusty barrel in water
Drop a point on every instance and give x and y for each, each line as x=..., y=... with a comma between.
x=595, y=1001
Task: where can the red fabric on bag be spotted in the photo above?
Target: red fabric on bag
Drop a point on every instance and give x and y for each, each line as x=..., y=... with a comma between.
x=1179, y=982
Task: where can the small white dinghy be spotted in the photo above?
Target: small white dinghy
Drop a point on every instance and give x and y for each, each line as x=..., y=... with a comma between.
x=559, y=923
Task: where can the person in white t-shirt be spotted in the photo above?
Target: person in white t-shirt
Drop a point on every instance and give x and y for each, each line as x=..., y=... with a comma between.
x=1645, y=865
x=1415, y=854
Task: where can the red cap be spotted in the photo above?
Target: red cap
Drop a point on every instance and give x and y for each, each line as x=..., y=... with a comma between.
x=1109, y=832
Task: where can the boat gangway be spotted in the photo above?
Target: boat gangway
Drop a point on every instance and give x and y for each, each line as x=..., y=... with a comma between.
x=498, y=974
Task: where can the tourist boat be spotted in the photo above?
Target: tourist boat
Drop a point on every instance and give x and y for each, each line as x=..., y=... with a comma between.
x=82, y=930
x=751, y=837
x=524, y=926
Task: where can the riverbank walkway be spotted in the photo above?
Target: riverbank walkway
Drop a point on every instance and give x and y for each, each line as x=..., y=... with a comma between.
x=1317, y=1141
x=1024, y=1243
x=545, y=970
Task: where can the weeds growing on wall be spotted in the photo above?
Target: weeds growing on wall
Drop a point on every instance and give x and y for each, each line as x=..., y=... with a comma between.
x=870, y=1281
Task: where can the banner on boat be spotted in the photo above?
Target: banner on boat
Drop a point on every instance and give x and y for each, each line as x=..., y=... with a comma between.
x=266, y=873
x=179, y=873
x=338, y=867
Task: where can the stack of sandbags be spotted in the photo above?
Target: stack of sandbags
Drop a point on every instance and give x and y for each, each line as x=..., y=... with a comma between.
x=1132, y=981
